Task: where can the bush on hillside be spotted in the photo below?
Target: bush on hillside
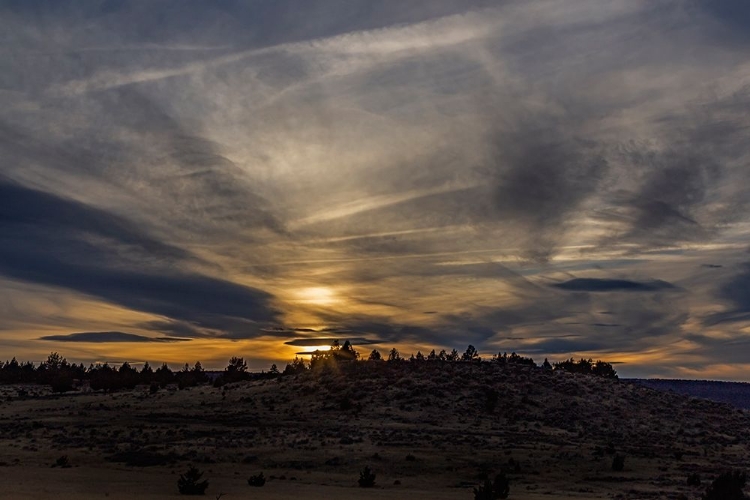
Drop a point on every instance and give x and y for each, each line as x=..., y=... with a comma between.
x=727, y=486
x=190, y=483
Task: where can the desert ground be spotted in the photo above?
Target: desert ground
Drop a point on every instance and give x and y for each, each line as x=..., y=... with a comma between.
x=428, y=430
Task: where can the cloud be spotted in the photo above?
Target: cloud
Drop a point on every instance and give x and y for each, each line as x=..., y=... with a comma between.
x=612, y=285
x=542, y=179
x=53, y=241
x=735, y=291
x=468, y=159
x=732, y=14
x=107, y=337
x=308, y=342
x=172, y=327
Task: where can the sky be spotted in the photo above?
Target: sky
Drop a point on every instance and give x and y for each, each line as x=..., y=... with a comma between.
x=187, y=180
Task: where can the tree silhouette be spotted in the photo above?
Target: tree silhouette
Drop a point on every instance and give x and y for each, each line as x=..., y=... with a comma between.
x=366, y=478
x=500, y=488
x=471, y=354
x=296, y=366
x=235, y=370
x=375, y=356
x=346, y=353
x=603, y=369
x=516, y=359
x=163, y=375
x=146, y=375
x=588, y=367
x=190, y=483
x=394, y=355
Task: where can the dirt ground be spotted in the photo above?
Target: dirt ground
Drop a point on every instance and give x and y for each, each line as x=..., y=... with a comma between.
x=430, y=432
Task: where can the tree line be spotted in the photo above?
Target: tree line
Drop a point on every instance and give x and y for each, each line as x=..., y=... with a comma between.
x=63, y=376
x=346, y=353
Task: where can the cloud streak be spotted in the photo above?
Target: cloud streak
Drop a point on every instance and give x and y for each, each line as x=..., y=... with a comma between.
x=612, y=285
x=53, y=241
x=107, y=337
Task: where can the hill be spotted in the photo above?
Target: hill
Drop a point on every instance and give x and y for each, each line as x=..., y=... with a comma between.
x=733, y=393
x=427, y=429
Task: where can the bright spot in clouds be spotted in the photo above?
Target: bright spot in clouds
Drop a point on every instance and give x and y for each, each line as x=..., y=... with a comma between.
x=316, y=295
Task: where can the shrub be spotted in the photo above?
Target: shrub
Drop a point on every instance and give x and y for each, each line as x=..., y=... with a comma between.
x=618, y=463
x=587, y=366
x=492, y=397
x=694, y=479
x=190, y=483
x=62, y=462
x=366, y=478
x=500, y=488
x=62, y=383
x=727, y=486
x=257, y=480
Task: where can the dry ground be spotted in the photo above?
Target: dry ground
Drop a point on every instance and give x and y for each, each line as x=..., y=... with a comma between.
x=426, y=429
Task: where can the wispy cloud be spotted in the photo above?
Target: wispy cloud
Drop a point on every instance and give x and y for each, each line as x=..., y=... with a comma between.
x=541, y=176
x=107, y=337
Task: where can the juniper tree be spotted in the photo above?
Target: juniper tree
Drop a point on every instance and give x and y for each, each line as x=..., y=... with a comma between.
x=190, y=483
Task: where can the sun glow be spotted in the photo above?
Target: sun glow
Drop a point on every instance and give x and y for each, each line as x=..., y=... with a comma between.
x=309, y=349
x=321, y=296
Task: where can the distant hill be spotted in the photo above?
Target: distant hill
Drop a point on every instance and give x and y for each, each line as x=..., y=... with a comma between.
x=734, y=393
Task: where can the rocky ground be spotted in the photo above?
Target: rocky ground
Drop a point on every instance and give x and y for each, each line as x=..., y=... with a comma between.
x=428, y=430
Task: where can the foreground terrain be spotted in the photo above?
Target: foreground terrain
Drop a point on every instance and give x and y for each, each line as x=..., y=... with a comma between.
x=428, y=430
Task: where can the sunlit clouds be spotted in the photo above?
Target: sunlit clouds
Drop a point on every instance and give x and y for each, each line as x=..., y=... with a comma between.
x=553, y=178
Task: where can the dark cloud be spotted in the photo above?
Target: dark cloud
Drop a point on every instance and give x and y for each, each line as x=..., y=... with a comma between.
x=612, y=285
x=557, y=346
x=53, y=241
x=386, y=329
x=279, y=331
x=668, y=207
x=66, y=229
x=732, y=14
x=542, y=178
x=720, y=350
x=247, y=24
x=107, y=337
x=172, y=327
x=688, y=189
x=736, y=291
x=306, y=342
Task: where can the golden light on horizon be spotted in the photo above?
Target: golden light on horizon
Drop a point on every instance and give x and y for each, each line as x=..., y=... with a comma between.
x=309, y=349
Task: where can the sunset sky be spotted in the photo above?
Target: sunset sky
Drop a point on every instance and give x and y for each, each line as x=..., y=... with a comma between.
x=192, y=180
